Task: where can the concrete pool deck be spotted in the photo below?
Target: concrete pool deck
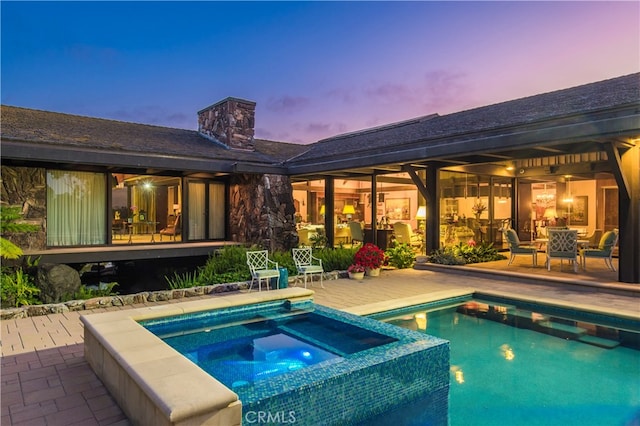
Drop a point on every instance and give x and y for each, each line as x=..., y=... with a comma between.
x=47, y=381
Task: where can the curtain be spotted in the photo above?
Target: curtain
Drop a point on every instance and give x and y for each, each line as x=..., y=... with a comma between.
x=216, y=211
x=196, y=211
x=76, y=208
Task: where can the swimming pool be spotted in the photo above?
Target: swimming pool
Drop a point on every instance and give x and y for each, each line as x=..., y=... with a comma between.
x=518, y=363
x=367, y=367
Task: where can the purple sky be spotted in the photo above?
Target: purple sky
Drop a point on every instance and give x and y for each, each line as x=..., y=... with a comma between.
x=315, y=69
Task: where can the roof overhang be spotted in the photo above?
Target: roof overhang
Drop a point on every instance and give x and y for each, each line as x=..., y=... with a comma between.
x=568, y=135
x=20, y=151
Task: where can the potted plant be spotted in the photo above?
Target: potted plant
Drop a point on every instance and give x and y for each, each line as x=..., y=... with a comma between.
x=356, y=271
x=371, y=257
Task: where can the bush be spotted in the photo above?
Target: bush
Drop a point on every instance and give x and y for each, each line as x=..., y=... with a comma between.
x=335, y=259
x=17, y=288
x=401, y=256
x=89, y=292
x=464, y=253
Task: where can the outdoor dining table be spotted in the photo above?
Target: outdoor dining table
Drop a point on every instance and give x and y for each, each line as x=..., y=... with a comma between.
x=582, y=243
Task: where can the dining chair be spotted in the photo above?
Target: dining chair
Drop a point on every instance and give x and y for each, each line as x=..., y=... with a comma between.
x=307, y=264
x=357, y=233
x=604, y=250
x=562, y=244
x=262, y=268
x=516, y=248
x=172, y=229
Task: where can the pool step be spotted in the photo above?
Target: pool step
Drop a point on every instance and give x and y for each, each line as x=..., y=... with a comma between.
x=599, y=341
x=566, y=331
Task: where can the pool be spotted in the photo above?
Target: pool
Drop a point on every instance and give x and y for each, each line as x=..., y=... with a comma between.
x=273, y=357
x=520, y=363
x=242, y=346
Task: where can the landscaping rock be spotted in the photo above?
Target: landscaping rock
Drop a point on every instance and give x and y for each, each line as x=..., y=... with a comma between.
x=55, y=281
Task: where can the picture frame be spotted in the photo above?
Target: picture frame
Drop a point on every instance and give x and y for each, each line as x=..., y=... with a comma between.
x=398, y=208
x=579, y=213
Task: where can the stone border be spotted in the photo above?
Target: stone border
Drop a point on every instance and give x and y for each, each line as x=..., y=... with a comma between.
x=137, y=298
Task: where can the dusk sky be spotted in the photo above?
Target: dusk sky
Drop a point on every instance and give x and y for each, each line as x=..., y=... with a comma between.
x=315, y=69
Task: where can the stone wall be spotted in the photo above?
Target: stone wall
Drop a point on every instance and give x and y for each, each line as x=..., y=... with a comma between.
x=26, y=187
x=230, y=121
x=261, y=211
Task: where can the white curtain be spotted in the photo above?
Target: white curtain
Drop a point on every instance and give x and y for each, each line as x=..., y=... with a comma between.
x=76, y=208
x=196, y=211
x=216, y=210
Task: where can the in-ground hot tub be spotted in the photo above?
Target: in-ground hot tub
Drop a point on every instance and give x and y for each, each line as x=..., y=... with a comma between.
x=269, y=356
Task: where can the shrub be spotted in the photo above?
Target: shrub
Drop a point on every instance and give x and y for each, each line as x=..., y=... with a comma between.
x=89, y=292
x=464, y=253
x=400, y=255
x=17, y=288
x=335, y=259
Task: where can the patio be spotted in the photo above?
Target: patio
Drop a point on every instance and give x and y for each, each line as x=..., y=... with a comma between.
x=46, y=380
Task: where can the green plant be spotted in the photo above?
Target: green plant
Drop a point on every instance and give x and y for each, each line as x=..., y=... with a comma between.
x=17, y=288
x=319, y=239
x=8, y=224
x=400, y=255
x=228, y=264
x=464, y=253
x=89, y=292
x=445, y=256
x=178, y=281
x=335, y=259
x=285, y=260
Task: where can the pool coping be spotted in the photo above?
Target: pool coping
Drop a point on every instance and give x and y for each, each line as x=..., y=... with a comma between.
x=400, y=303
x=152, y=382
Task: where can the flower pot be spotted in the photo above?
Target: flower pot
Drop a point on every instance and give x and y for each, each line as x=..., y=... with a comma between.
x=356, y=275
x=373, y=272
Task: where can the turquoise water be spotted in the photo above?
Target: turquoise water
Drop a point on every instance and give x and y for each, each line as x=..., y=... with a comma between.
x=505, y=375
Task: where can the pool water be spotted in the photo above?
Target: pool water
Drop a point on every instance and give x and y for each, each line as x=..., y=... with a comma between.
x=254, y=345
x=514, y=367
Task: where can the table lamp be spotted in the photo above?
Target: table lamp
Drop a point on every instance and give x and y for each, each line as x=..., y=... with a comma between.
x=348, y=210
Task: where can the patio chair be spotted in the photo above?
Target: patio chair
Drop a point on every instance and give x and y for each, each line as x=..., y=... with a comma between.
x=262, y=268
x=516, y=248
x=604, y=250
x=357, y=234
x=563, y=244
x=404, y=235
x=172, y=229
x=307, y=264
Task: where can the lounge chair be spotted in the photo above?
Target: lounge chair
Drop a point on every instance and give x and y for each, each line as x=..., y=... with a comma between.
x=404, y=235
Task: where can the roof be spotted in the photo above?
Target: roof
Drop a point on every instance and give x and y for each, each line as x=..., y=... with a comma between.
x=521, y=112
x=58, y=129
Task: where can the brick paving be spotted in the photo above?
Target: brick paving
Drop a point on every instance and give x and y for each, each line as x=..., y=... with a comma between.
x=47, y=381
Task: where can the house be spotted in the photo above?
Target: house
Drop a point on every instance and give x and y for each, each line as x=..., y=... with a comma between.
x=104, y=190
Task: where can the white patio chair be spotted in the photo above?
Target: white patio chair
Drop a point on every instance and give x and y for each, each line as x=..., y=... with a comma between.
x=563, y=244
x=262, y=268
x=307, y=264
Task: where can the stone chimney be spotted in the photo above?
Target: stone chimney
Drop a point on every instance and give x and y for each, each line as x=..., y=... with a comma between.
x=230, y=122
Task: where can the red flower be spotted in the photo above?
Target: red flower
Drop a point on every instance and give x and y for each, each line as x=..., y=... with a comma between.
x=370, y=256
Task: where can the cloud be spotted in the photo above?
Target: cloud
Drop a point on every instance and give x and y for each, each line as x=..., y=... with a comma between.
x=287, y=104
x=443, y=90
